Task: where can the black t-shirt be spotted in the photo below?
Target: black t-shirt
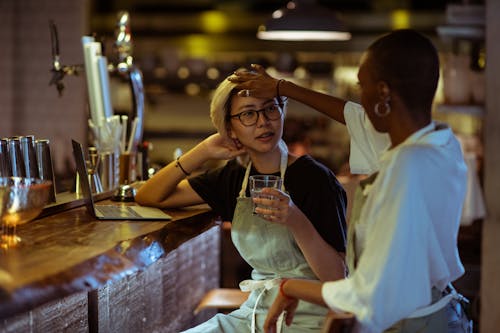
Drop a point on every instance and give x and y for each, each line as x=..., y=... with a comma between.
x=311, y=185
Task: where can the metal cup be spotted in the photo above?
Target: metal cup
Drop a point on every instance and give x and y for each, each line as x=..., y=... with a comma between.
x=5, y=167
x=29, y=156
x=109, y=170
x=16, y=157
x=44, y=161
x=127, y=168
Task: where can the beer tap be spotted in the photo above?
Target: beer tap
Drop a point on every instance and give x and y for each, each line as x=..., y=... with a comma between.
x=123, y=42
x=125, y=67
x=58, y=70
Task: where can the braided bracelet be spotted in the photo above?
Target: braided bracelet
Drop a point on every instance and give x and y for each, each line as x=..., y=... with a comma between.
x=282, y=292
x=178, y=165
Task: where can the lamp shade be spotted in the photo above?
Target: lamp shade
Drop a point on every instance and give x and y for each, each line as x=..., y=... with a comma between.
x=303, y=20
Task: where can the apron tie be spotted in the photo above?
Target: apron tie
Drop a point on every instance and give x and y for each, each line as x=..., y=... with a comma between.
x=435, y=307
x=263, y=285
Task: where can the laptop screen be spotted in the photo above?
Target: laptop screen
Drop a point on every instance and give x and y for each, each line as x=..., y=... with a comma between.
x=81, y=168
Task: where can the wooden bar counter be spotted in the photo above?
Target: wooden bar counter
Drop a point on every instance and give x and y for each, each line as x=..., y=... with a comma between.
x=73, y=273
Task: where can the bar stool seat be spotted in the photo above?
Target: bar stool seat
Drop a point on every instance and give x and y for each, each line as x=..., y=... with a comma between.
x=232, y=298
x=222, y=299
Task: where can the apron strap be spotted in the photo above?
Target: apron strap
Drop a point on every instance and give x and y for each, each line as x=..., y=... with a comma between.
x=360, y=196
x=283, y=164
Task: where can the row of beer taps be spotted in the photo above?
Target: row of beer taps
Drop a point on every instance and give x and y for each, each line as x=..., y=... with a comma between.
x=123, y=66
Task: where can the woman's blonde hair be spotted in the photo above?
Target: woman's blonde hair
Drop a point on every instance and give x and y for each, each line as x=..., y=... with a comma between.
x=218, y=107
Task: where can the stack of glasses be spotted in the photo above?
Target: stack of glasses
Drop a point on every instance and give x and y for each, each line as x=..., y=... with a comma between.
x=24, y=156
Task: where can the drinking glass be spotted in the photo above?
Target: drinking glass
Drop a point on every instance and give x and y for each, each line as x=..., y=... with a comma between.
x=258, y=182
x=21, y=200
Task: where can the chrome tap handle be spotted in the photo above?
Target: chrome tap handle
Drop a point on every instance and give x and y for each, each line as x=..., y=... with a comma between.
x=138, y=99
x=58, y=70
x=126, y=68
x=54, y=38
x=123, y=42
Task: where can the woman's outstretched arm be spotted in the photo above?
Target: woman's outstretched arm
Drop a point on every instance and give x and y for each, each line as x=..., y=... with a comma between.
x=262, y=85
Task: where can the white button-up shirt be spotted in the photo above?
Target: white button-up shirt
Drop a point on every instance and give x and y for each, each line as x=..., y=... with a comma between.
x=408, y=227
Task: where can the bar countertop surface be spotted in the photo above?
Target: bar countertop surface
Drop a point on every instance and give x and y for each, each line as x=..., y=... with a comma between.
x=70, y=252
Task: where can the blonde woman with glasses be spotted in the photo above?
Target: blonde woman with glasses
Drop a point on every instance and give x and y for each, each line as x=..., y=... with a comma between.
x=301, y=232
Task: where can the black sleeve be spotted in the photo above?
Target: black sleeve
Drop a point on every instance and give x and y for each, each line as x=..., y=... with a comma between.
x=318, y=194
x=219, y=188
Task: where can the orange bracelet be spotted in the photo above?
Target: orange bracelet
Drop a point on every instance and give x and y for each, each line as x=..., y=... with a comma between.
x=282, y=292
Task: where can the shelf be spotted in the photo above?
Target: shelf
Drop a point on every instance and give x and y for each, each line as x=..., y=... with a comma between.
x=461, y=32
x=474, y=110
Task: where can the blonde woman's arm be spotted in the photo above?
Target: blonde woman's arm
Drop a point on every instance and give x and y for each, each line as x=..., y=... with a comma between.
x=169, y=188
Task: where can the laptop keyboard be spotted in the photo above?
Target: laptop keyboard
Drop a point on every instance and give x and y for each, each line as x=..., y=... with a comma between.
x=110, y=210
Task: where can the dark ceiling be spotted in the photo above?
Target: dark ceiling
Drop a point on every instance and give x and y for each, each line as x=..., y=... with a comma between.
x=178, y=17
x=263, y=5
x=163, y=30
x=172, y=21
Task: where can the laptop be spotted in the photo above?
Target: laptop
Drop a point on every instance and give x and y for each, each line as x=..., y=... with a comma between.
x=110, y=212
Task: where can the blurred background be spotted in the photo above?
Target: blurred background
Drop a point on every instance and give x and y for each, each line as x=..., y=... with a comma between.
x=184, y=48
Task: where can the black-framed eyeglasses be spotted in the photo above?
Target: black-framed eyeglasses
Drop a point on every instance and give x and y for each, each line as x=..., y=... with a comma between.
x=250, y=117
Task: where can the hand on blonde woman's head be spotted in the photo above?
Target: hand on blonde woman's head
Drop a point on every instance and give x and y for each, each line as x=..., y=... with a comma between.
x=244, y=74
x=241, y=73
x=256, y=83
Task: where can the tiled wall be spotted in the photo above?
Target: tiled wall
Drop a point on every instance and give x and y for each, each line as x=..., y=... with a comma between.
x=27, y=104
x=6, y=66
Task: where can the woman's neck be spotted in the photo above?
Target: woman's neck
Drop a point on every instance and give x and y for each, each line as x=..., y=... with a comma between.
x=267, y=163
x=407, y=124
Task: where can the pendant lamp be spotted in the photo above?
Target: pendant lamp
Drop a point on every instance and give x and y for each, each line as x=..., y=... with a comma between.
x=303, y=20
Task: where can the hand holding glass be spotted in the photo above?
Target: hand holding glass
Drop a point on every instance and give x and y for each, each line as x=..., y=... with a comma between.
x=258, y=182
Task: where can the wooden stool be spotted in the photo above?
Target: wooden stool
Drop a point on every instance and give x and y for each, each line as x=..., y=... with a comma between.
x=222, y=298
